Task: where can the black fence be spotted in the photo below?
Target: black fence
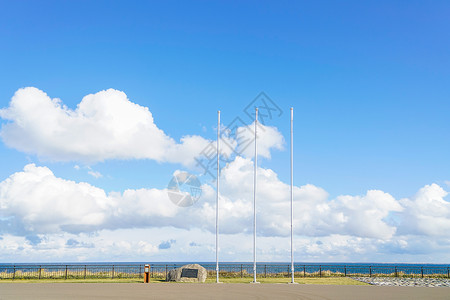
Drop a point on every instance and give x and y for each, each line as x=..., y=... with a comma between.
x=228, y=270
x=71, y=271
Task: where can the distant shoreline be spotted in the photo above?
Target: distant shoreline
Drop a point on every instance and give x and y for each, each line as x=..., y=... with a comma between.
x=229, y=263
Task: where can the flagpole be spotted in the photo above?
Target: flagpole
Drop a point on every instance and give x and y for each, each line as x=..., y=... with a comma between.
x=292, y=195
x=217, y=199
x=254, y=198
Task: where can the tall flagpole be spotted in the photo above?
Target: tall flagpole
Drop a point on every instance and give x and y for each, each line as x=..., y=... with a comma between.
x=254, y=198
x=292, y=194
x=217, y=199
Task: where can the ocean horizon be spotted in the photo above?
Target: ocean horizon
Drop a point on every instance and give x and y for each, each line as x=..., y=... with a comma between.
x=179, y=263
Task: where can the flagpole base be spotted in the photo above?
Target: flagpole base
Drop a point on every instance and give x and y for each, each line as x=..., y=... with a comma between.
x=257, y=282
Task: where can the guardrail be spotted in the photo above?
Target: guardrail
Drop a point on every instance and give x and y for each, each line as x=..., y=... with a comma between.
x=227, y=270
x=71, y=271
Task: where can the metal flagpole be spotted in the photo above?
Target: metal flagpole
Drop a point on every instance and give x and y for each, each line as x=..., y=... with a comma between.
x=292, y=194
x=254, y=198
x=217, y=199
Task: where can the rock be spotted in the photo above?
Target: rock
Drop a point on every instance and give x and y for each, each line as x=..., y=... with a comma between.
x=393, y=281
x=188, y=273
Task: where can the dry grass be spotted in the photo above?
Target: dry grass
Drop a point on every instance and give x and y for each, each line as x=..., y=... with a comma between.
x=70, y=275
x=324, y=280
x=210, y=280
x=80, y=275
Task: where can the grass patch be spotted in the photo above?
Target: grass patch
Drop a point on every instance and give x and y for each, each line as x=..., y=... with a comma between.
x=327, y=280
x=210, y=280
x=94, y=280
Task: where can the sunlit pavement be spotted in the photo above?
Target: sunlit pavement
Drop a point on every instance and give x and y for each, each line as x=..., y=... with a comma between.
x=16, y=290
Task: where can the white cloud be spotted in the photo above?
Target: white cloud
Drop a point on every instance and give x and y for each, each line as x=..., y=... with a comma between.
x=427, y=213
x=105, y=125
x=315, y=214
x=95, y=174
x=268, y=138
x=197, y=245
x=42, y=215
x=90, y=171
x=364, y=216
x=35, y=201
x=39, y=207
x=69, y=247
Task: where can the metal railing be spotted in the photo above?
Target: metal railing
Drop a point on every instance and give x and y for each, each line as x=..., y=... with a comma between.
x=227, y=270
x=71, y=271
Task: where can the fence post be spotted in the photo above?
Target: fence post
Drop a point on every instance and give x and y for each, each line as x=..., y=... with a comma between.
x=370, y=271
x=421, y=271
x=396, y=274
x=345, y=271
x=448, y=272
x=85, y=267
x=65, y=276
x=265, y=271
x=40, y=267
x=242, y=274
x=152, y=269
x=304, y=271
x=166, y=272
x=112, y=276
x=320, y=271
x=14, y=274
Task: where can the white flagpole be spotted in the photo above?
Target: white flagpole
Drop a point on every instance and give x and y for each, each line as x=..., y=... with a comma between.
x=292, y=194
x=217, y=199
x=254, y=198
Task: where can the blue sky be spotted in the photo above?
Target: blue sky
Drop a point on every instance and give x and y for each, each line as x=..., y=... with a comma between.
x=368, y=81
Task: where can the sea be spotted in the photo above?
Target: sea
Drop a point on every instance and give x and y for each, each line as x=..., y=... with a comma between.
x=247, y=267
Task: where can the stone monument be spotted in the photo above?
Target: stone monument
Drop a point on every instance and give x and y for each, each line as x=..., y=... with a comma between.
x=188, y=273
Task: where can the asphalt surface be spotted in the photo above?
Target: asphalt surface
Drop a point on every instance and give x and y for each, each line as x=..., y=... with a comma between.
x=213, y=291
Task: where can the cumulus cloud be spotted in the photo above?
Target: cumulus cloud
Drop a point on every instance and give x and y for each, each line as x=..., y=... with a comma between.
x=268, y=138
x=315, y=214
x=41, y=213
x=105, y=125
x=427, y=213
x=35, y=201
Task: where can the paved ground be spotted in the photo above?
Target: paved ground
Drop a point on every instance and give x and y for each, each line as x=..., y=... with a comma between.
x=213, y=291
